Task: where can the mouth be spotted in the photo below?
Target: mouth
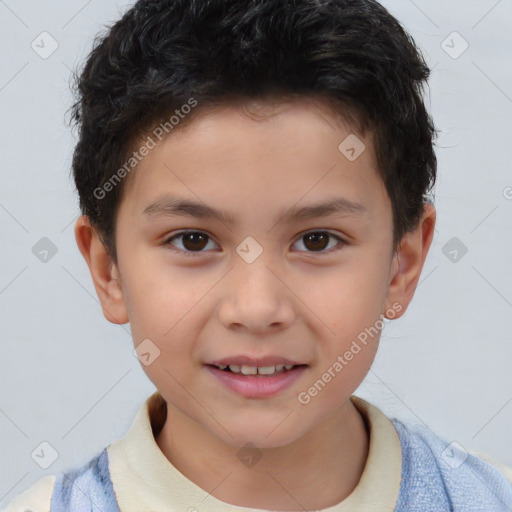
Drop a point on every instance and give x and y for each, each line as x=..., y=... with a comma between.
x=256, y=377
x=257, y=382
x=263, y=371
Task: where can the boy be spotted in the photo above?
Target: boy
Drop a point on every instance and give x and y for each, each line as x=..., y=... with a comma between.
x=289, y=140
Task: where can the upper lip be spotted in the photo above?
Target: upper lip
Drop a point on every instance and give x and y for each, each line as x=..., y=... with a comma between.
x=242, y=360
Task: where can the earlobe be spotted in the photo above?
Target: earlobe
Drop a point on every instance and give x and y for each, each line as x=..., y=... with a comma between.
x=409, y=261
x=104, y=273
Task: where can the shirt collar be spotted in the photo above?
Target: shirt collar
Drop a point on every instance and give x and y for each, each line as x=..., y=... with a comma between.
x=144, y=479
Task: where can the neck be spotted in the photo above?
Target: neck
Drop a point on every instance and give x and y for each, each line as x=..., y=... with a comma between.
x=284, y=478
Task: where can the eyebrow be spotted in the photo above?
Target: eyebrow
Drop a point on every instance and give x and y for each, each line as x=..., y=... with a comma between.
x=171, y=206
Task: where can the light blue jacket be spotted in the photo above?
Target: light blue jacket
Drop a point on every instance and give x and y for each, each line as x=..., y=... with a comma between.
x=434, y=479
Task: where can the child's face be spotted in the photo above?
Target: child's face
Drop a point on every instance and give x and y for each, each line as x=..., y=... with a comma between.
x=299, y=299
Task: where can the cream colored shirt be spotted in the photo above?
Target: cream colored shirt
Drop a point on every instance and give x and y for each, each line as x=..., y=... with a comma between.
x=144, y=479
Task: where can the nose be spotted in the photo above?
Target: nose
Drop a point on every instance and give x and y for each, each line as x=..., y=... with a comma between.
x=256, y=298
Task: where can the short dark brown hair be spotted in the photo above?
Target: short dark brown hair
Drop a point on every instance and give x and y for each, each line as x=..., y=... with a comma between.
x=161, y=53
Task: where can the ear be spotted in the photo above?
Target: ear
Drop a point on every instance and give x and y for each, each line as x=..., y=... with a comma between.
x=104, y=273
x=408, y=262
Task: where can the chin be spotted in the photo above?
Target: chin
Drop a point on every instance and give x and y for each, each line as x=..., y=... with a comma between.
x=257, y=436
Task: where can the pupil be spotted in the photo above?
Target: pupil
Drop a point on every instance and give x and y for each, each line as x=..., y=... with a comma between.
x=192, y=237
x=315, y=238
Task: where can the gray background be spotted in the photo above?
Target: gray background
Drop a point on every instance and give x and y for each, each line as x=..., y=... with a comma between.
x=68, y=377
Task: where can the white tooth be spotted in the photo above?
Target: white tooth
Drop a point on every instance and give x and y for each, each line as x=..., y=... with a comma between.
x=249, y=370
x=266, y=370
x=234, y=368
x=223, y=366
x=279, y=367
x=288, y=366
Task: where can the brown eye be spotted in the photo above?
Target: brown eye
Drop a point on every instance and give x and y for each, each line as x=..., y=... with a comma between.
x=192, y=242
x=317, y=241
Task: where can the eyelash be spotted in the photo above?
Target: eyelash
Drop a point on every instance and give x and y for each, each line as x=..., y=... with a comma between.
x=168, y=241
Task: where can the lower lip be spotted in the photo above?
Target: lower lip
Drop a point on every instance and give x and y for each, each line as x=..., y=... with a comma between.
x=257, y=386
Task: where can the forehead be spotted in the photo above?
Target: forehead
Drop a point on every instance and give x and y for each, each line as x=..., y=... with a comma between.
x=255, y=147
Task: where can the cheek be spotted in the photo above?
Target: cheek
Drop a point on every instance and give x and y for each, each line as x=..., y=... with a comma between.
x=158, y=296
x=347, y=300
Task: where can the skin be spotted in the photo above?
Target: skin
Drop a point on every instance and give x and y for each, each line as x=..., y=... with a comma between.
x=294, y=300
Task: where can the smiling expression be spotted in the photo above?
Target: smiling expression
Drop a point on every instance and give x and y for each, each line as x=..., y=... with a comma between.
x=287, y=257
